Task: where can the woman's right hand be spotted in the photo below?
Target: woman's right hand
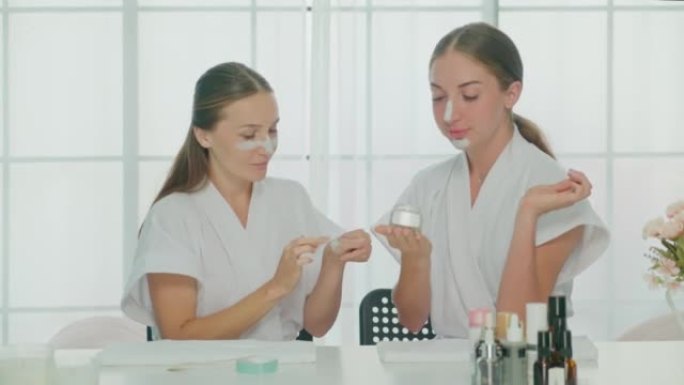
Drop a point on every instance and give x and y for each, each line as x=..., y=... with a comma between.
x=412, y=243
x=298, y=252
x=542, y=199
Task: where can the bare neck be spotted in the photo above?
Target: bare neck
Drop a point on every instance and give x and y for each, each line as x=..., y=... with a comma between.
x=481, y=159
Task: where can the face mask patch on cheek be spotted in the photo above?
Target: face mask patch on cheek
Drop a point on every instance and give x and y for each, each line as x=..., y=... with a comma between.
x=269, y=145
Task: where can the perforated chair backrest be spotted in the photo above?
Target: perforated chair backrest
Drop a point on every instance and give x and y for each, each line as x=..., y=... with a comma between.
x=378, y=321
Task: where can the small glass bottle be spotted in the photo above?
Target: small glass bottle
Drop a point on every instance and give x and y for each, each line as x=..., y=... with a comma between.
x=565, y=349
x=556, y=317
x=476, y=324
x=489, y=361
x=514, y=354
x=556, y=372
x=543, y=353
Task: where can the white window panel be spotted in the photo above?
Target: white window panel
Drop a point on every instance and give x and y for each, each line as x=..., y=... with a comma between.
x=195, y=3
x=650, y=3
x=390, y=177
x=175, y=49
x=297, y=170
x=65, y=96
x=648, y=75
x=3, y=277
x=2, y=92
x=39, y=328
x=152, y=175
x=591, y=284
x=347, y=207
x=554, y=3
x=63, y=3
x=643, y=188
x=402, y=121
x=66, y=232
x=348, y=83
x=345, y=3
x=282, y=60
x=425, y=3
x=348, y=193
x=564, y=75
x=280, y=3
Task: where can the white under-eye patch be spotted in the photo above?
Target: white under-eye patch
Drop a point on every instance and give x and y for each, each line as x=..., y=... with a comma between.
x=448, y=111
x=269, y=145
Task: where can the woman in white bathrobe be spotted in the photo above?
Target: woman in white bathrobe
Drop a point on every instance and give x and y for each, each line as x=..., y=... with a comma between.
x=224, y=252
x=503, y=223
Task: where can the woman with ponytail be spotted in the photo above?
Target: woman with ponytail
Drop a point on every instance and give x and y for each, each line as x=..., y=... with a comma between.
x=503, y=224
x=226, y=252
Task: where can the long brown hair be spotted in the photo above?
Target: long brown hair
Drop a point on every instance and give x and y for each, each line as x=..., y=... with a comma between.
x=220, y=86
x=497, y=52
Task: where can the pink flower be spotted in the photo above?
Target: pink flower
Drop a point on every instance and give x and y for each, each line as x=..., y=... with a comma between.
x=668, y=268
x=652, y=281
x=679, y=217
x=653, y=228
x=671, y=229
x=675, y=208
x=674, y=285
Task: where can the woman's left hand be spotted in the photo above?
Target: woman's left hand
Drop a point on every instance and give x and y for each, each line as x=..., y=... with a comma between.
x=544, y=198
x=353, y=246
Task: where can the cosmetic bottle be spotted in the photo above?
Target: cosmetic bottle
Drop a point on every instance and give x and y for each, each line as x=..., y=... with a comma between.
x=536, y=315
x=514, y=354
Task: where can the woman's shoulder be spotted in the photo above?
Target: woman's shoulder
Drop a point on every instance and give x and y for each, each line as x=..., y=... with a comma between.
x=175, y=206
x=543, y=167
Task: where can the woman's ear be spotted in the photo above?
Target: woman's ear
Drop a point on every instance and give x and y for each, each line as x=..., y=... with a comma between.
x=513, y=94
x=201, y=136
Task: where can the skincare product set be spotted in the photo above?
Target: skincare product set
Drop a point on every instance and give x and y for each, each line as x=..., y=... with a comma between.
x=503, y=356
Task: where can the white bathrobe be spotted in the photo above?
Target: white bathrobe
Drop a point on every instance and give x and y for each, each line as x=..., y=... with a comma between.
x=198, y=235
x=470, y=244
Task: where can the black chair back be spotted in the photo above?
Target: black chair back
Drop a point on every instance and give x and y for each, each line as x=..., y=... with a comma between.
x=378, y=321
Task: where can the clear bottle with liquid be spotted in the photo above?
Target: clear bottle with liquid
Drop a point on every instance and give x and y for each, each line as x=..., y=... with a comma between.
x=514, y=354
x=490, y=357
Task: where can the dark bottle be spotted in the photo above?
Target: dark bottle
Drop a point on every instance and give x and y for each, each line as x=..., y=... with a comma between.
x=556, y=317
x=564, y=348
x=543, y=353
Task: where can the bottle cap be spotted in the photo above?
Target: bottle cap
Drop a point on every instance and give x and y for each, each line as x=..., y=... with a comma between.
x=557, y=322
x=514, y=331
x=536, y=321
x=564, y=343
x=476, y=317
x=543, y=343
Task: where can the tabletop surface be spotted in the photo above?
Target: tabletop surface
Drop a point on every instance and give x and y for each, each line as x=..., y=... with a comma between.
x=622, y=363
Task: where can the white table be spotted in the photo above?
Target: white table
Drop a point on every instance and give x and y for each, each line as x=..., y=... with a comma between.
x=620, y=363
